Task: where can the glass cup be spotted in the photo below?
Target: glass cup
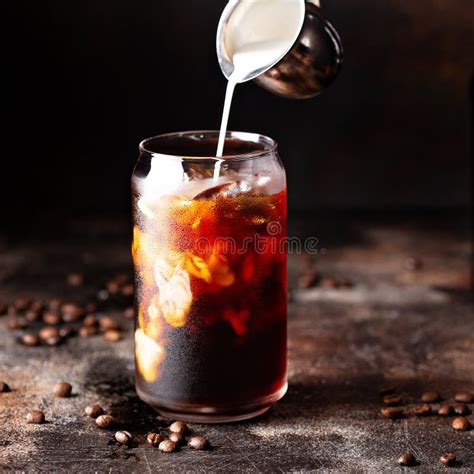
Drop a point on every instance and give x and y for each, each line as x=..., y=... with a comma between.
x=209, y=253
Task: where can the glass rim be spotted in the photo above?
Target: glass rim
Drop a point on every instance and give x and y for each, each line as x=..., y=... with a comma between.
x=270, y=145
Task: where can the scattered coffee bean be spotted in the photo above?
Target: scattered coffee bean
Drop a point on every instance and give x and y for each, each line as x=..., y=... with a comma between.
x=75, y=279
x=198, y=442
x=461, y=424
x=62, y=389
x=307, y=280
x=328, y=283
x=91, y=307
x=154, y=439
x=391, y=412
x=107, y=322
x=87, y=331
x=16, y=324
x=51, y=317
x=464, y=396
x=93, y=410
x=461, y=409
x=386, y=389
x=129, y=312
x=112, y=287
x=413, y=264
x=4, y=387
x=430, y=397
x=123, y=437
x=177, y=438
x=422, y=410
x=445, y=409
x=128, y=290
x=37, y=306
x=55, y=304
x=52, y=341
x=30, y=339
x=48, y=332
x=71, y=312
x=33, y=316
x=90, y=320
x=392, y=400
x=167, y=446
x=344, y=284
x=105, y=421
x=448, y=459
x=22, y=304
x=35, y=417
x=178, y=427
x=406, y=459
x=113, y=335
x=66, y=331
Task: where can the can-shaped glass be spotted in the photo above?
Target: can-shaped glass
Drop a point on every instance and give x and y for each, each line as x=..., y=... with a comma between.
x=209, y=252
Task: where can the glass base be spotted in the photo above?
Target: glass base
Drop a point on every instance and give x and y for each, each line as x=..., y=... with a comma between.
x=208, y=414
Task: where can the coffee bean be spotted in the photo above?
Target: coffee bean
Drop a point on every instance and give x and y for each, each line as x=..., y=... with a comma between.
x=445, y=409
x=55, y=304
x=87, y=331
x=37, y=306
x=4, y=387
x=62, y=389
x=66, y=331
x=12, y=311
x=413, y=264
x=3, y=309
x=33, y=316
x=344, y=284
x=112, y=287
x=386, y=389
x=107, y=322
x=178, y=427
x=461, y=424
x=430, y=397
x=51, y=317
x=464, y=396
x=154, y=439
x=91, y=307
x=123, y=437
x=307, y=280
x=75, y=279
x=461, y=409
x=52, y=341
x=105, y=421
x=16, y=324
x=71, y=312
x=392, y=400
x=167, y=446
x=391, y=412
x=129, y=312
x=406, y=459
x=35, y=417
x=90, y=320
x=30, y=339
x=48, y=332
x=198, y=442
x=329, y=283
x=177, y=438
x=422, y=410
x=128, y=290
x=93, y=410
x=448, y=459
x=22, y=304
x=112, y=335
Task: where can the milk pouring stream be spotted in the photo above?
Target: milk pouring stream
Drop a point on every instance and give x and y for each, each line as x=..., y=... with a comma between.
x=257, y=35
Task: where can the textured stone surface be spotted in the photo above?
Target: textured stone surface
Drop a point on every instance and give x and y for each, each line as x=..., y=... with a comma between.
x=412, y=329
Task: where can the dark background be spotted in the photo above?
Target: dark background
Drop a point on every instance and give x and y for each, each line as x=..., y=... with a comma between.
x=87, y=80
